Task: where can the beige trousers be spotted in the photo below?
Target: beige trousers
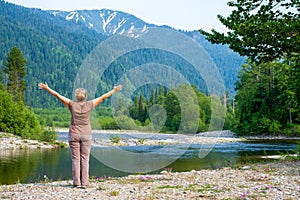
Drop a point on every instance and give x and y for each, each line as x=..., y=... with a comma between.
x=80, y=147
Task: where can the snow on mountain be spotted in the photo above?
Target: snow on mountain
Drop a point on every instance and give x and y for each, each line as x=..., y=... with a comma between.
x=107, y=22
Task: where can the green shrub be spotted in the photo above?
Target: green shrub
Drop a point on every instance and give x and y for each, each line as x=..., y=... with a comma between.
x=20, y=120
x=17, y=118
x=270, y=126
x=107, y=123
x=115, y=139
x=49, y=135
x=292, y=130
x=53, y=117
x=274, y=127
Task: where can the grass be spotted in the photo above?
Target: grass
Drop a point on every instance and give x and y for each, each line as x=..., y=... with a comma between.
x=114, y=193
x=60, y=144
x=202, y=188
x=115, y=139
x=169, y=187
x=142, y=140
x=100, y=187
x=5, y=197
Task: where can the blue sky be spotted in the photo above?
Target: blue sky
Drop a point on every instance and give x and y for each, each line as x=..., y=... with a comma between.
x=180, y=14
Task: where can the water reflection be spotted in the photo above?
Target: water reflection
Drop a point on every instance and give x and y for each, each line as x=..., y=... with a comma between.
x=26, y=166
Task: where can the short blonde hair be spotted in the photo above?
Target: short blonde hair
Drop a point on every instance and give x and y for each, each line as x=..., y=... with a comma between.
x=80, y=94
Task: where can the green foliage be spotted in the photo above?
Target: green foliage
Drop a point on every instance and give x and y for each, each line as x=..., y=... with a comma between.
x=142, y=140
x=1, y=75
x=230, y=121
x=15, y=69
x=107, y=123
x=267, y=97
x=127, y=122
x=262, y=30
x=54, y=117
x=55, y=49
x=115, y=139
x=292, y=130
x=163, y=113
x=17, y=118
x=187, y=110
x=20, y=120
x=114, y=193
x=49, y=135
x=2, y=88
x=269, y=126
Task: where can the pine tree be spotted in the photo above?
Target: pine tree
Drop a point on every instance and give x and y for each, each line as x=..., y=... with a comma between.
x=1, y=80
x=152, y=98
x=1, y=75
x=141, y=109
x=15, y=69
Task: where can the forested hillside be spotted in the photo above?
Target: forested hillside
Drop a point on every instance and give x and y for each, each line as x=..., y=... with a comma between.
x=228, y=62
x=110, y=22
x=55, y=48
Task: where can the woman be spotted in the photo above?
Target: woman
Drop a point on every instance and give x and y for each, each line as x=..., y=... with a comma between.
x=80, y=131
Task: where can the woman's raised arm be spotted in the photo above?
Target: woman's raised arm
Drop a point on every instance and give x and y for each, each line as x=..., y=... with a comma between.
x=61, y=98
x=98, y=100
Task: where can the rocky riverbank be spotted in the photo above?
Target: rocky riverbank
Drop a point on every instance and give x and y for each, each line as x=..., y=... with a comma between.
x=132, y=138
x=12, y=142
x=278, y=180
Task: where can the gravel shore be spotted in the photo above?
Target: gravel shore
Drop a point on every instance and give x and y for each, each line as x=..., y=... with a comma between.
x=12, y=142
x=277, y=180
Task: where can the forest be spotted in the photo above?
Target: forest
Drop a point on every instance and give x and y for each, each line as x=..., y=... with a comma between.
x=267, y=89
x=55, y=49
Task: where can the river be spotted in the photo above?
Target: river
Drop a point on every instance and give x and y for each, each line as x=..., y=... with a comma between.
x=25, y=166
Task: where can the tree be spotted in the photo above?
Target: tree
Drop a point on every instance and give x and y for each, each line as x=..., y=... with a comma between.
x=141, y=109
x=172, y=106
x=267, y=97
x=15, y=68
x=1, y=75
x=264, y=30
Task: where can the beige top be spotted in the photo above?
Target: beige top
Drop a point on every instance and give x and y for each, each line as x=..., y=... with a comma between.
x=80, y=117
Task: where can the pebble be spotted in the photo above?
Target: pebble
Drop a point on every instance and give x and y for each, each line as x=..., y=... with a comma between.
x=276, y=180
x=260, y=181
x=12, y=142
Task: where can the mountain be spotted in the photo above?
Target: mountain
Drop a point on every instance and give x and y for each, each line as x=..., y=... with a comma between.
x=54, y=49
x=107, y=22
x=55, y=43
x=110, y=22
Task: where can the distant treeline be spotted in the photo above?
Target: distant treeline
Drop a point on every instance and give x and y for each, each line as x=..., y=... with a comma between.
x=163, y=111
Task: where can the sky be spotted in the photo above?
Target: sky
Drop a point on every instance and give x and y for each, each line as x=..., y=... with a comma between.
x=180, y=14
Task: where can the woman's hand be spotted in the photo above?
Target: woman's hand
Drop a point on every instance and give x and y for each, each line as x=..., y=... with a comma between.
x=98, y=100
x=63, y=99
x=118, y=87
x=43, y=86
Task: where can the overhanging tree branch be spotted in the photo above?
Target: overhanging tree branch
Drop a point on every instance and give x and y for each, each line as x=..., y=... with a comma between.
x=264, y=30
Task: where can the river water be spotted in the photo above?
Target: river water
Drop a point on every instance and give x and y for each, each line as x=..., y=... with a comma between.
x=25, y=166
